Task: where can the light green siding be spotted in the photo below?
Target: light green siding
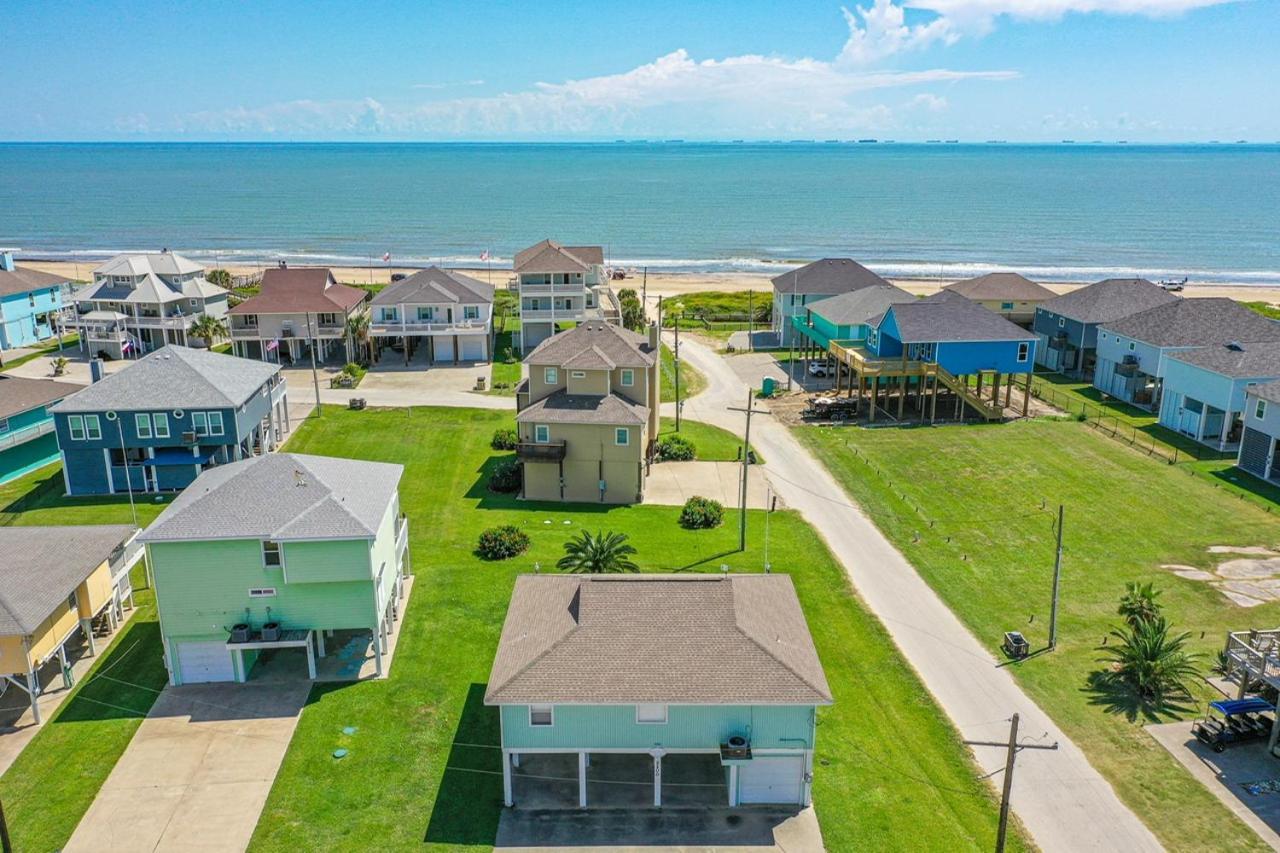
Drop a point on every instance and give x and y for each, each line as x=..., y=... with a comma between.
x=383, y=555
x=687, y=727
x=322, y=562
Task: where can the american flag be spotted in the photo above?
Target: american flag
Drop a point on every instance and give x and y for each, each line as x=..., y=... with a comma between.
x=484, y=256
x=272, y=345
x=386, y=256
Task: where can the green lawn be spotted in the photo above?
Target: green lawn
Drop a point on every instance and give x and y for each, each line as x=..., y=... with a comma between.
x=69, y=342
x=422, y=766
x=53, y=782
x=1266, y=309
x=505, y=372
x=728, y=305
x=981, y=500
x=712, y=443
x=691, y=380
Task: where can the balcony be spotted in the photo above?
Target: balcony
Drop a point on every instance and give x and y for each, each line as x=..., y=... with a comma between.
x=461, y=327
x=253, y=333
x=542, y=289
x=527, y=451
x=21, y=436
x=402, y=535
x=529, y=315
x=174, y=322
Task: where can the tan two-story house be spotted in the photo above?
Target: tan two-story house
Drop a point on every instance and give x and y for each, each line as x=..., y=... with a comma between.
x=296, y=308
x=588, y=414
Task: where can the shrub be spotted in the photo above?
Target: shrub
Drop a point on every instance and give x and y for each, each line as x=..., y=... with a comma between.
x=676, y=448
x=506, y=476
x=701, y=513
x=504, y=439
x=599, y=554
x=502, y=543
x=352, y=369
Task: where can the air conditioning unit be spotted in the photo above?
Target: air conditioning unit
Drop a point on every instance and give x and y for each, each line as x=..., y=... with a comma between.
x=1130, y=359
x=189, y=438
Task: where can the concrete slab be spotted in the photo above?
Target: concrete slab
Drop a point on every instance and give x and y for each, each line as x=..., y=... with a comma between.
x=197, y=772
x=1225, y=773
x=672, y=483
x=1244, y=569
x=1242, y=549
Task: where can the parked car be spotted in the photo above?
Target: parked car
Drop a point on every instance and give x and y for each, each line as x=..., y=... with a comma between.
x=817, y=368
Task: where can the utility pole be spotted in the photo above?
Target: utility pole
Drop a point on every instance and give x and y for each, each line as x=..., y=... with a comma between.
x=1011, y=748
x=676, y=359
x=315, y=378
x=751, y=315
x=1057, y=575
x=746, y=460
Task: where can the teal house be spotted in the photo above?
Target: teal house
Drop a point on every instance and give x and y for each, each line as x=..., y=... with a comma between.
x=695, y=689
x=847, y=316
x=278, y=560
x=30, y=303
x=27, y=438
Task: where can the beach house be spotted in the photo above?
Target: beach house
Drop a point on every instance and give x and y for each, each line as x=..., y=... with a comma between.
x=1014, y=297
x=280, y=559
x=27, y=439
x=702, y=689
x=558, y=285
x=1258, y=441
x=1067, y=325
x=60, y=589
x=31, y=304
x=1204, y=389
x=297, y=311
x=137, y=303
x=156, y=424
x=439, y=315
x=588, y=413
x=1132, y=351
x=846, y=316
x=795, y=291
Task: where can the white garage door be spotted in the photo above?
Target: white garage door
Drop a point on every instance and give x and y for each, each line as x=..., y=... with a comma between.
x=443, y=349
x=473, y=349
x=202, y=662
x=771, y=779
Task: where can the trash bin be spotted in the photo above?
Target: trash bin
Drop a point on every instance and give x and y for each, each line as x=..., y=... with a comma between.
x=766, y=387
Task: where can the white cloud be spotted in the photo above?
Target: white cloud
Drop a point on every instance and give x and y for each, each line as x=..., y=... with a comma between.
x=447, y=85
x=978, y=16
x=928, y=101
x=881, y=30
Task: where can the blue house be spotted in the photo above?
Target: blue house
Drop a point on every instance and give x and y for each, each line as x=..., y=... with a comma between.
x=1204, y=389
x=795, y=291
x=702, y=689
x=30, y=302
x=1067, y=325
x=27, y=441
x=1132, y=351
x=1258, y=443
x=156, y=424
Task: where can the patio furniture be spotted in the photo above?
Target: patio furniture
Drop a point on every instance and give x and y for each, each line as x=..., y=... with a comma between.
x=1015, y=645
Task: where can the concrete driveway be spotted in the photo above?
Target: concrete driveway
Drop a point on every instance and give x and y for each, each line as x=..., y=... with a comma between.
x=673, y=483
x=197, y=772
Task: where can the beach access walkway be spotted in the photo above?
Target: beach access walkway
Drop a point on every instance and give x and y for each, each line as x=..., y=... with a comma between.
x=1062, y=800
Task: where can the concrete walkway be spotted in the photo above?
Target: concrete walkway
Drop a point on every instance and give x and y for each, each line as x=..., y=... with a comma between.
x=673, y=483
x=1060, y=798
x=197, y=772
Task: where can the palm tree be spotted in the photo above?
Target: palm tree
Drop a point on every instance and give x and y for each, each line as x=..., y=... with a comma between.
x=358, y=335
x=604, y=552
x=1139, y=604
x=209, y=329
x=1150, y=662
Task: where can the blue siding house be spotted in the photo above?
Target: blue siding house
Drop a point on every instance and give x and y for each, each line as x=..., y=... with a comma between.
x=1205, y=389
x=1258, y=444
x=701, y=689
x=30, y=304
x=27, y=441
x=156, y=424
x=1067, y=325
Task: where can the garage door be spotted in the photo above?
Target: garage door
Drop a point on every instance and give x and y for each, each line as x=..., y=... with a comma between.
x=203, y=662
x=443, y=349
x=772, y=779
x=473, y=349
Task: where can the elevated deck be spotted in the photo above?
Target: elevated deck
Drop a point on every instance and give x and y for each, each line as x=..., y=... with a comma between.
x=1253, y=656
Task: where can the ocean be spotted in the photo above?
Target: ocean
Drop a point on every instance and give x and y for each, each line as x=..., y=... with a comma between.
x=1058, y=212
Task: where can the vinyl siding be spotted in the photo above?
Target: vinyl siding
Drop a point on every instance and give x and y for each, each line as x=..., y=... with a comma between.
x=326, y=562
x=95, y=591
x=687, y=727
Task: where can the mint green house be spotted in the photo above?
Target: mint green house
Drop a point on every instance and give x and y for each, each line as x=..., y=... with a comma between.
x=657, y=689
x=280, y=552
x=846, y=317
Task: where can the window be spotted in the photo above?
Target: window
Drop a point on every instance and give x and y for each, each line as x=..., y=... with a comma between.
x=195, y=303
x=207, y=423
x=271, y=557
x=1260, y=410
x=161, y=422
x=4, y=425
x=327, y=319
x=1062, y=322
x=1132, y=346
x=1006, y=306
x=651, y=714
x=578, y=374
x=427, y=313
x=251, y=321
x=72, y=602
x=142, y=423
x=1024, y=349
x=92, y=427
x=550, y=376
x=390, y=315
x=75, y=425
x=263, y=592
x=31, y=300
x=628, y=378
x=541, y=433
x=471, y=312
x=622, y=436
x=541, y=715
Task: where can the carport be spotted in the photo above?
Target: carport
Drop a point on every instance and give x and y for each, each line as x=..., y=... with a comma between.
x=648, y=779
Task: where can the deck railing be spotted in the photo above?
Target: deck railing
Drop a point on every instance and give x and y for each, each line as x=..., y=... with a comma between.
x=25, y=434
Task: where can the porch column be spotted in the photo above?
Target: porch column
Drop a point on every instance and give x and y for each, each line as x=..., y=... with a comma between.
x=582, y=780
x=902, y=394
x=1227, y=418
x=66, y=667
x=241, y=675
x=933, y=403
x=657, y=777
x=1271, y=741
x=33, y=686
x=86, y=625
x=320, y=643
x=311, y=662
x=506, y=779
x=733, y=785
x=377, y=650
x=806, y=793
x=995, y=390
x=875, y=385
x=1026, y=395
x=1204, y=416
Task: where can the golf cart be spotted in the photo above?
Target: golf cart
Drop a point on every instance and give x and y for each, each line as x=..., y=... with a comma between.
x=1236, y=721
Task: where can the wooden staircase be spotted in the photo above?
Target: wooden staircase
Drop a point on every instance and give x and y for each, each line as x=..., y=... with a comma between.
x=988, y=410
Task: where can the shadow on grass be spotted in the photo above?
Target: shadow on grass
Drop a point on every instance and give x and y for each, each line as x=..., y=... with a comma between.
x=704, y=560
x=469, y=801
x=47, y=494
x=1107, y=691
x=126, y=681
x=1238, y=479
x=486, y=498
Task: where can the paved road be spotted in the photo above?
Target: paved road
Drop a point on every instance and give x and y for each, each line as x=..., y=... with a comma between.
x=1060, y=798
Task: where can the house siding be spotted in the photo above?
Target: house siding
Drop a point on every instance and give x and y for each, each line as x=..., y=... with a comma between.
x=687, y=727
x=31, y=454
x=22, y=323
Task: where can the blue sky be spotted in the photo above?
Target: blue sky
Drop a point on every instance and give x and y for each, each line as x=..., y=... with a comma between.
x=1022, y=70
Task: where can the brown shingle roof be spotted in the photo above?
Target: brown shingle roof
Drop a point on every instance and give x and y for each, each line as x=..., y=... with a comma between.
x=22, y=279
x=1005, y=286
x=550, y=256
x=22, y=395
x=303, y=290
x=677, y=639
x=562, y=407
x=622, y=347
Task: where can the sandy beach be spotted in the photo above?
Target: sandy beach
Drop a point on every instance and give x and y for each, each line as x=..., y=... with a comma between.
x=671, y=284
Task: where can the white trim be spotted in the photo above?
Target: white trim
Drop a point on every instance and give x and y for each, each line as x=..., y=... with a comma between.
x=537, y=431
x=550, y=376
x=627, y=377
x=619, y=432
x=662, y=722
x=551, y=709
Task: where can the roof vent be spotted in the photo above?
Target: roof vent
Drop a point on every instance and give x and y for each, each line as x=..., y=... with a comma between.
x=299, y=479
x=1235, y=346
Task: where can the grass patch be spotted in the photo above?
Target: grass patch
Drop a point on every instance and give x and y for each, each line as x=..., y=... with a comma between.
x=1266, y=309
x=982, y=501
x=889, y=764
x=691, y=380
x=712, y=443
x=506, y=361
x=713, y=305
x=69, y=342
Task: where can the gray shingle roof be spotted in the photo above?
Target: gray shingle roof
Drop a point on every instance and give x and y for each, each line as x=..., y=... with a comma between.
x=435, y=285
x=1108, y=300
x=174, y=377
x=677, y=639
x=22, y=280
x=1005, y=286
x=42, y=566
x=281, y=496
x=1196, y=322
x=22, y=395
x=623, y=347
x=1255, y=360
x=947, y=316
x=564, y=408
x=860, y=307
x=550, y=256
x=142, y=263
x=828, y=275
x=1269, y=391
